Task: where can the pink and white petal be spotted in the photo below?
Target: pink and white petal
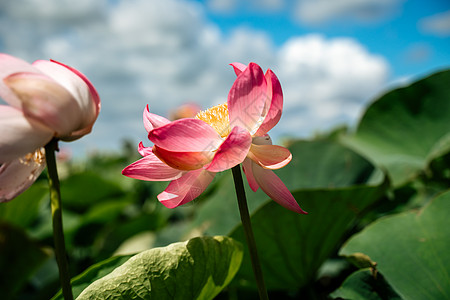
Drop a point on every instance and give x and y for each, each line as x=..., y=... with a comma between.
x=152, y=121
x=144, y=150
x=248, y=171
x=94, y=93
x=274, y=105
x=150, y=168
x=272, y=185
x=10, y=65
x=270, y=156
x=45, y=100
x=238, y=68
x=20, y=135
x=232, y=151
x=18, y=175
x=182, y=160
x=86, y=99
x=186, y=135
x=186, y=189
x=247, y=98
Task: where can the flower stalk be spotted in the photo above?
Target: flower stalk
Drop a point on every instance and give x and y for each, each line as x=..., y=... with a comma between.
x=58, y=233
x=247, y=225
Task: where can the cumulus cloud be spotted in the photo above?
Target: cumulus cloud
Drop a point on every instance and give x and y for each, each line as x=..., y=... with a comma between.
x=165, y=53
x=229, y=6
x=315, y=12
x=438, y=24
x=418, y=53
x=326, y=82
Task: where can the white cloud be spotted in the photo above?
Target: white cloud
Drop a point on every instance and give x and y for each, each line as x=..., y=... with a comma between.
x=320, y=11
x=164, y=53
x=418, y=52
x=229, y=6
x=326, y=82
x=222, y=6
x=438, y=24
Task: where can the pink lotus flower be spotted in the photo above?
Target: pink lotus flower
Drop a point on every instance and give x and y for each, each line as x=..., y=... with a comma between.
x=188, y=110
x=189, y=152
x=47, y=99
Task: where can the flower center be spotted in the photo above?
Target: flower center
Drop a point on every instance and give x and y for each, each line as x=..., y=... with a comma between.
x=217, y=117
x=36, y=157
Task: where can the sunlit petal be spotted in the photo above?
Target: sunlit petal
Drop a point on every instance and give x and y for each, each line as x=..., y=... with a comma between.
x=272, y=185
x=247, y=98
x=152, y=121
x=270, y=156
x=144, y=150
x=232, y=151
x=186, y=189
x=18, y=175
x=183, y=160
x=45, y=100
x=80, y=88
x=274, y=104
x=150, y=168
x=10, y=65
x=20, y=135
x=248, y=171
x=238, y=68
x=186, y=135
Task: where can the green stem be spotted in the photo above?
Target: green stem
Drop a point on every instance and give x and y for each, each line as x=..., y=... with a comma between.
x=247, y=225
x=58, y=233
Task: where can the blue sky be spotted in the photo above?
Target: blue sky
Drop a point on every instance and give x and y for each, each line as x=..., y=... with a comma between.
x=397, y=33
x=333, y=57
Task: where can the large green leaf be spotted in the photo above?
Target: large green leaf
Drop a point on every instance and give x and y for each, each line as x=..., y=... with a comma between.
x=197, y=269
x=292, y=247
x=94, y=272
x=20, y=257
x=24, y=209
x=363, y=285
x=407, y=127
x=315, y=165
x=81, y=190
x=411, y=250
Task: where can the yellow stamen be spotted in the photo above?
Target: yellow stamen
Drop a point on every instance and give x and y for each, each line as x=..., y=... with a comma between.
x=217, y=117
x=36, y=157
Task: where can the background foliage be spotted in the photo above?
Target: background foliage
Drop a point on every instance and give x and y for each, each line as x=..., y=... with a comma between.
x=378, y=200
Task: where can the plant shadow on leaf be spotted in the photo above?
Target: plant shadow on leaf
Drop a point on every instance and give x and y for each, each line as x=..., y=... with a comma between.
x=363, y=285
x=196, y=269
x=411, y=249
x=16, y=269
x=406, y=128
x=334, y=184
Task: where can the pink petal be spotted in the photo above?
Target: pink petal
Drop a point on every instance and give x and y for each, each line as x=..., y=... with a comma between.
x=94, y=93
x=185, y=161
x=270, y=156
x=247, y=167
x=152, y=121
x=47, y=101
x=186, y=135
x=186, y=189
x=144, y=150
x=187, y=110
x=10, y=65
x=247, y=98
x=84, y=94
x=272, y=185
x=232, y=151
x=274, y=104
x=20, y=135
x=18, y=175
x=238, y=68
x=150, y=168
